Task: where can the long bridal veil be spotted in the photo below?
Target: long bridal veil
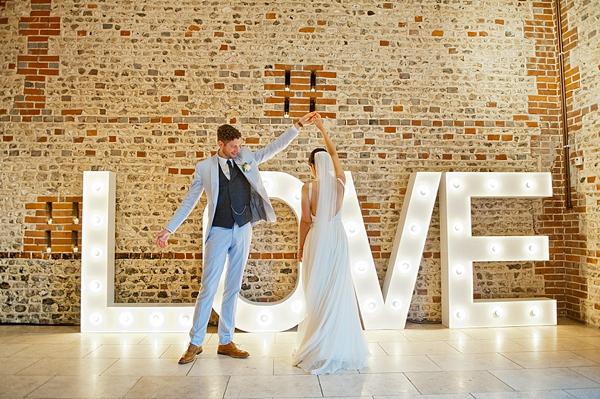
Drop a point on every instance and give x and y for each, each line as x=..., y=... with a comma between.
x=330, y=337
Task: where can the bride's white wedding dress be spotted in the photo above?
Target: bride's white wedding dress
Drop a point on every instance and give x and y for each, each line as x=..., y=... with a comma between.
x=330, y=337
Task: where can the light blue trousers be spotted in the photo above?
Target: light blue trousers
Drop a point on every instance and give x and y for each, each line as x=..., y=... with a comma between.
x=221, y=243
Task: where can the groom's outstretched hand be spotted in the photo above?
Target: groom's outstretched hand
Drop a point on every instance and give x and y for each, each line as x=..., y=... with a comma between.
x=306, y=120
x=161, y=240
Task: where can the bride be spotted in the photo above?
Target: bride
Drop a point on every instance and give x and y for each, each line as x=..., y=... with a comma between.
x=330, y=337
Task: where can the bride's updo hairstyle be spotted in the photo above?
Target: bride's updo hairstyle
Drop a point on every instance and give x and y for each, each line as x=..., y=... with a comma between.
x=311, y=158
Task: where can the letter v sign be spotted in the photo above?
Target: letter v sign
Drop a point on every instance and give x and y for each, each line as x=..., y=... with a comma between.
x=389, y=309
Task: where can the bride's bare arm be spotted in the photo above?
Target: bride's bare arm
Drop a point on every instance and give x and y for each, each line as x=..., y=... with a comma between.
x=330, y=147
x=305, y=221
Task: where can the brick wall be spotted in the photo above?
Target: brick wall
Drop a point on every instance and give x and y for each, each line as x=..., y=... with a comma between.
x=139, y=88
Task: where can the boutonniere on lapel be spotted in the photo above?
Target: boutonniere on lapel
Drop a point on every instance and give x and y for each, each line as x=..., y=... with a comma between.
x=246, y=167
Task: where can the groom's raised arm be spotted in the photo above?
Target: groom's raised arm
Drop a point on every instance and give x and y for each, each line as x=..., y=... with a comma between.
x=281, y=142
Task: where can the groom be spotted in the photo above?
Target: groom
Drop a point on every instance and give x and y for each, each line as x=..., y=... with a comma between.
x=237, y=200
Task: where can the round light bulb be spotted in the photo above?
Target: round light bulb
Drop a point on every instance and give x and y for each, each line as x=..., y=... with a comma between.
x=156, y=319
x=534, y=311
x=458, y=227
x=351, y=227
x=264, y=318
x=125, y=319
x=361, y=266
x=396, y=304
x=297, y=306
x=96, y=318
x=498, y=312
x=95, y=286
x=532, y=248
x=460, y=314
x=456, y=184
x=492, y=184
x=414, y=228
x=371, y=305
x=459, y=270
x=96, y=252
x=495, y=248
x=405, y=267
x=184, y=320
x=529, y=184
x=96, y=220
x=423, y=191
x=298, y=195
x=97, y=187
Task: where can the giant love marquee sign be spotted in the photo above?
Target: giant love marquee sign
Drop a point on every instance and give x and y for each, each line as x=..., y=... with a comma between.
x=380, y=309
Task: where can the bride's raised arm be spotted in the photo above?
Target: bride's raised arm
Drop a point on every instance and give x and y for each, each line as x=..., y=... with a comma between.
x=330, y=147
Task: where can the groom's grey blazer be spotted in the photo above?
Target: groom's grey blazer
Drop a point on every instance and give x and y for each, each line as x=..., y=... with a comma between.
x=206, y=177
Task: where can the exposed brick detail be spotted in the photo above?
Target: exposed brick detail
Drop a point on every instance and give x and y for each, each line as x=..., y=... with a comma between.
x=59, y=216
x=36, y=64
x=299, y=93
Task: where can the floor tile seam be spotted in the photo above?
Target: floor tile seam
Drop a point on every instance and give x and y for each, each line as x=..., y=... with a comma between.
x=575, y=371
x=132, y=386
x=226, y=387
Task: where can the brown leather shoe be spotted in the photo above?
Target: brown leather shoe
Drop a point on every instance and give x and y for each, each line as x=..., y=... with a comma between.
x=190, y=354
x=232, y=350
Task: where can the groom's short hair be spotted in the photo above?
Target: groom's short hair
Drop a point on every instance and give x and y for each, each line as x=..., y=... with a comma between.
x=226, y=133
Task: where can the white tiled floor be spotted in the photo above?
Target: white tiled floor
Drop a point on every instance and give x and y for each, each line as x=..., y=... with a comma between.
x=422, y=361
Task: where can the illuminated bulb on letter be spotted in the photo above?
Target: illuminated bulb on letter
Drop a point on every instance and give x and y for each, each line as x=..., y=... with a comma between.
x=532, y=248
x=495, y=248
x=498, y=312
x=371, y=305
x=156, y=319
x=95, y=318
x=534, y=311
x=125, y=319
x=460, y=314
x=351, y=227
x=95, y=286
x=96, y=252
x=529, y=184
x=184, y=320
x=414, y=228
x=396, y=304
x=361, y=266
x=458, y=227
x=456, y=184
x=492, y=184
x=297, y=306
x=97, y=187
x=424, y=191
x=264, y=318
x=459, y=270
x=96, y=220
x=298, y=195
x=405, y=267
